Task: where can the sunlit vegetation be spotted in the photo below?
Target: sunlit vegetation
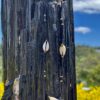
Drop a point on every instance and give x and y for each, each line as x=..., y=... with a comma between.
x=1, y=90
x=88, y=65
x=88, y=93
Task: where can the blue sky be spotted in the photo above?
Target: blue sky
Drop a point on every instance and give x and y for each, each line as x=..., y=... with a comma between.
x=86, y=20
x=87, y=29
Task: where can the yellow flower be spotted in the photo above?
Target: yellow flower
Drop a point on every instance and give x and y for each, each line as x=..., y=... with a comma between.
x=91, y=93
x=1, y=90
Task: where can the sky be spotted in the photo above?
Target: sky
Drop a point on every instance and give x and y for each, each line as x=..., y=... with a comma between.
x=86, y=22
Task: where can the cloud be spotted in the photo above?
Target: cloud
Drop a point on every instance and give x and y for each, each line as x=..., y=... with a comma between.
x=82, y=30
x=87, y=6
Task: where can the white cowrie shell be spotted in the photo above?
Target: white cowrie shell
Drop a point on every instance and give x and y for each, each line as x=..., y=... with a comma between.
x=46, y=46
x=62, y=50
x=52, y=98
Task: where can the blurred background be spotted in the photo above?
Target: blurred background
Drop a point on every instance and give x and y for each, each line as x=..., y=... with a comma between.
x=87, y=41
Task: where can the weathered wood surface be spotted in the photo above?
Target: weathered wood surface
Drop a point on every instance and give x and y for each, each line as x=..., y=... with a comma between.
x=26, y=25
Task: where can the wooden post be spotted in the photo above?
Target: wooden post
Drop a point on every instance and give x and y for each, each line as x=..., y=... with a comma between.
x=39, y=50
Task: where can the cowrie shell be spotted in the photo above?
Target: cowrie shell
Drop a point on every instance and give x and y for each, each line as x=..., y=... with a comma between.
x=46, y=46
x=62, y=50
x=52, y=98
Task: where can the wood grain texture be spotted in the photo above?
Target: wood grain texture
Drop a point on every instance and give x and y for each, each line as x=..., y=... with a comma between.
x=26, y=25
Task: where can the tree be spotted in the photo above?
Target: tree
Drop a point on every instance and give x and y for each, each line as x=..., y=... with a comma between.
x=38, y=44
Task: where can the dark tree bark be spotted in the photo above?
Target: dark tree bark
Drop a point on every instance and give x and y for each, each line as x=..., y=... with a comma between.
x=38, y=49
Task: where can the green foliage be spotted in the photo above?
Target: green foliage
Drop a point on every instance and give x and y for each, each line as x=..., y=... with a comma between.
x=88, y=64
